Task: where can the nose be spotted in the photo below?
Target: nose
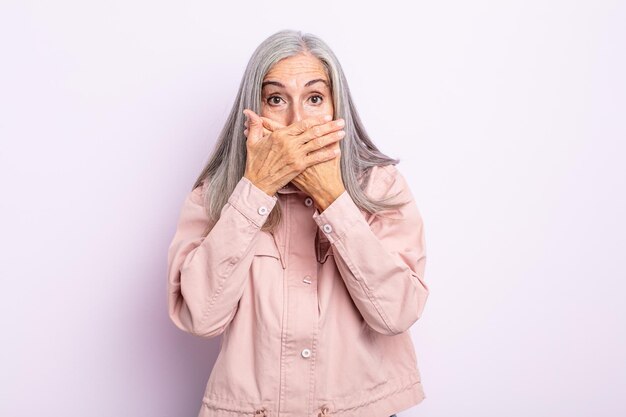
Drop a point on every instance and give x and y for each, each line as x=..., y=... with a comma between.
x=296, y=114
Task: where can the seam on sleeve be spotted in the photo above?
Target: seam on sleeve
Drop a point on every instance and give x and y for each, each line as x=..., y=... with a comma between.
x=370, y=295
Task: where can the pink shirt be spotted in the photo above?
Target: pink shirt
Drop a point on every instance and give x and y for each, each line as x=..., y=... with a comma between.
x=315, y=318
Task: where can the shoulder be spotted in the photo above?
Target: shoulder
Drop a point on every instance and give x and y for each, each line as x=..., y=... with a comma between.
x=197, y=194
x=385, y=179
x=388, y=173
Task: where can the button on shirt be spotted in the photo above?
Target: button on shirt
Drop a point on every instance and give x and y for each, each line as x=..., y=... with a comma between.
x=315, y=315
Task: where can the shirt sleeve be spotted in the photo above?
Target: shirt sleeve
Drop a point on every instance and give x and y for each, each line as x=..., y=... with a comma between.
x=381, y=260
x=207, y=275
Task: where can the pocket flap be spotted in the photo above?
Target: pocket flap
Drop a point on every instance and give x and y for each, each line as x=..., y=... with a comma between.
x=266, y=246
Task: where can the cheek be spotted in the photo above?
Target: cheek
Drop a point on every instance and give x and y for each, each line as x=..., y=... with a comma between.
x=331, y=108
x=266, y=112
x=326, y=108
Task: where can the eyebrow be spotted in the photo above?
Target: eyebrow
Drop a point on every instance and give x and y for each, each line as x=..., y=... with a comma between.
x=310, y=83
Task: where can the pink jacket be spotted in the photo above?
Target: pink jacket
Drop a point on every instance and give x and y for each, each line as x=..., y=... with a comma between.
x=315, y=318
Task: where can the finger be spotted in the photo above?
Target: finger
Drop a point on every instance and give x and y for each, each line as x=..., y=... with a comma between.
x=319, y=131
x=266, y=133
x=301, y=126
x=321, y=155
x=268, y=124
x=271, y=125
x=255, y=130
x=325, y=140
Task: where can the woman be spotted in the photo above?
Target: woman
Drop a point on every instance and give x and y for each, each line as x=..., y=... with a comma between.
x=292, y=246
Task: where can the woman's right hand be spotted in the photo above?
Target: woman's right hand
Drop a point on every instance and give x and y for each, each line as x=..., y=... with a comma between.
x=269, y=125
x=276, y=158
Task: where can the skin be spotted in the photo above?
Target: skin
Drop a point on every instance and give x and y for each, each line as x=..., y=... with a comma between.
x=289, y=140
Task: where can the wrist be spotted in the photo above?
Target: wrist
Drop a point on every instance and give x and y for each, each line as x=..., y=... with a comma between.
x=325, y=198
x=269, y=191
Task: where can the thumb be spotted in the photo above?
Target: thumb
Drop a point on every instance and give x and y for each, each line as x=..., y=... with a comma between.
x=255, y=126
x=271, y=125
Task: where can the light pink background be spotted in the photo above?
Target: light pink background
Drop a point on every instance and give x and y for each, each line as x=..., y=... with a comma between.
x=509, y=118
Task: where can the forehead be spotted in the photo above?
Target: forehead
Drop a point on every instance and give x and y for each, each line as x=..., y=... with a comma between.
x=297, y=69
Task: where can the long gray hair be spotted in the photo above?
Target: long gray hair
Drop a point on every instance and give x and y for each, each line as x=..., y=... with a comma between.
x=227, y=163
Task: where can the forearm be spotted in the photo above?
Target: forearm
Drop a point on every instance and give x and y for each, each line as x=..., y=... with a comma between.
x=382, y=264
x=207, y=275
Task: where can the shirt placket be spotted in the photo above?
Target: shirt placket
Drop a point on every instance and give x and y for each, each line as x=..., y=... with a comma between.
x=300, y=330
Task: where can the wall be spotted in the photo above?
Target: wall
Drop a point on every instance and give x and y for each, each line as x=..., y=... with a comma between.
x=509, y=121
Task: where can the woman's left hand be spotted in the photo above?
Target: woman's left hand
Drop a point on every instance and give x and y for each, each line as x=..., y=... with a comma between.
x=323, y=181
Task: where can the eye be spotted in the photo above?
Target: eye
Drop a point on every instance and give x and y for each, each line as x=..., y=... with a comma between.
x=270, y=102
x=319, y=97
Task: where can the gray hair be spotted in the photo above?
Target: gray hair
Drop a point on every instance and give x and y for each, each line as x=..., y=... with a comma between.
x=227, y=163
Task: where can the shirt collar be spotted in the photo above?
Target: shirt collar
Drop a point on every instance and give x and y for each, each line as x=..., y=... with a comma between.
x=290, y=188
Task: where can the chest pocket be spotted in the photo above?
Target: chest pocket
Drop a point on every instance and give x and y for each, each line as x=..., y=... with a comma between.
x=266, y=260
x=266, y=246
